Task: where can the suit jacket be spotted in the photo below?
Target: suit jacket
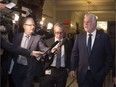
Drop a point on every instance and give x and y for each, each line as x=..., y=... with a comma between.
x=68, y=48
x=13, y=48
x=35, y=43
x=100, y=59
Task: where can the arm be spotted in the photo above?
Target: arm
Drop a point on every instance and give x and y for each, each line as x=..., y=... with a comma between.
x=17, y=50
x=12, y=48
x=42, y=46
x=75, y=55
x=74, y=58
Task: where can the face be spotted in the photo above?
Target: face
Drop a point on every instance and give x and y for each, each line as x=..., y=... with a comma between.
x=89, y=24
x=58, y=32
x=29, y=26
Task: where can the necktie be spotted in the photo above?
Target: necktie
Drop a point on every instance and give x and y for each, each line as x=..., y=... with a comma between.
x=58, y=60
x=26, y=41
x=89, y=43
x=22, y=59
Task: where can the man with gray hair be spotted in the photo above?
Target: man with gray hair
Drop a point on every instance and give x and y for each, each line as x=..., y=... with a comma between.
x=56, y=74
x=91, y=56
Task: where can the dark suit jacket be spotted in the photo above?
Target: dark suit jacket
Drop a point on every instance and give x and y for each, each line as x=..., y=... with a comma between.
x=100, y=59
x=12, y=48
x=68, y=48
x=35, y=43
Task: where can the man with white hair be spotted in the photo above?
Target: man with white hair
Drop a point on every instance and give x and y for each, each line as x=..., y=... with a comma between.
x=91, y=56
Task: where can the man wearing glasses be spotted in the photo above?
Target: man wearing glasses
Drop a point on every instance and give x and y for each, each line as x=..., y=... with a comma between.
x=27, y=69
x=56, y=74
x=5, y=45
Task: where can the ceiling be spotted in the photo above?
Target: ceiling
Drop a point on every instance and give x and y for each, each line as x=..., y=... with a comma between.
x=104, y=8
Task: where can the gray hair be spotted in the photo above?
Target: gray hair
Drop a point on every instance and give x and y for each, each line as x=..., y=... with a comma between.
x=59, y=24
x=92, y=16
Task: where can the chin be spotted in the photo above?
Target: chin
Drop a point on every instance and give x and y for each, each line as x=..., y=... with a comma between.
x=87, y=30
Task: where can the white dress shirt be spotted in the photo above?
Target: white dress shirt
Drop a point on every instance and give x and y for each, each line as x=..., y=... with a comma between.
x=92, y=37
x=62, y=55
x=93, y=40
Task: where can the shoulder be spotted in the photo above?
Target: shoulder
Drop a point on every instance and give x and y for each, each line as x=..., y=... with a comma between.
x=37, y=36
x=80, y=35
x=18, y=34
x=49, y=42
x=66, y=39
x=102, y=34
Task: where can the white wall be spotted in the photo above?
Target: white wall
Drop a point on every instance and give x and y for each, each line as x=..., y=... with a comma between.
x=49, y=11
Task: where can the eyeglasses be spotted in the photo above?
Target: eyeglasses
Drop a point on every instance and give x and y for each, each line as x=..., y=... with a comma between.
x=59, y=33
x=30, y=25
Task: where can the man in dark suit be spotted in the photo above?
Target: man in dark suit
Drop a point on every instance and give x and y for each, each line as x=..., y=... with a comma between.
x=15, y=49
x=54, y=75
x=9, y=47
x=26, y=68
x=91, y=56
x=5, y=45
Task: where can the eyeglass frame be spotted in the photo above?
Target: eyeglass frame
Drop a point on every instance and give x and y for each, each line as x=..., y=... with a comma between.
x=58, y=33
x=30, y=25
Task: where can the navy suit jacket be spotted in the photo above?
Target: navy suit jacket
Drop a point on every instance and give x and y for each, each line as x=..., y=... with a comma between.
x=34, y=67
x=100, y=59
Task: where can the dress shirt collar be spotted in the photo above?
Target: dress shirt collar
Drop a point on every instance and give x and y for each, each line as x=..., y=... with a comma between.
x=58, y=40
x=93, y=33
x=24, y=35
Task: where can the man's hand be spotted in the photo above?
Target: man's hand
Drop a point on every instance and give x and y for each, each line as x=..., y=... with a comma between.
x=2, y=28
x=56, y=49
x=36, y=53
x=2, y=6
x=114, y=80
x=72, y=74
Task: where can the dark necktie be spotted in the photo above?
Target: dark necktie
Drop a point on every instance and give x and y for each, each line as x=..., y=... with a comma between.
x=89, y=43
x=58, y=60
x=22, y=59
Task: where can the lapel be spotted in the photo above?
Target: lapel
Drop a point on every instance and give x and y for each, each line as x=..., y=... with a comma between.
x=84, y=40
x=18, y=42
x=31, y=41
x=65, y=49
x=84, y=43
x=96, y=42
